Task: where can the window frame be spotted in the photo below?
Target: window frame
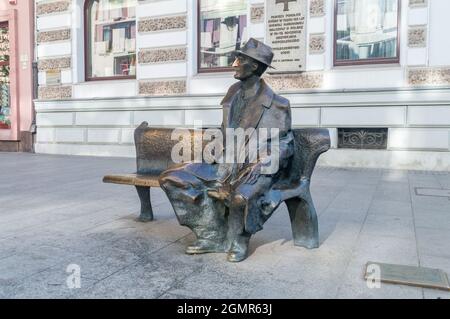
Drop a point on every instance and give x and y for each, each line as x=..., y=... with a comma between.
x=12, y=134
x=87, y=60
x=2, y=25
x=5, y=24
x=200, y=69
x=375, y=61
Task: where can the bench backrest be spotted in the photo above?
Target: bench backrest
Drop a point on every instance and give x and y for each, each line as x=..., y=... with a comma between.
x=154, y=148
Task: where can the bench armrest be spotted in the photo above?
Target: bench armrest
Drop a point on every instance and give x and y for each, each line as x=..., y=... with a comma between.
x=309, y=145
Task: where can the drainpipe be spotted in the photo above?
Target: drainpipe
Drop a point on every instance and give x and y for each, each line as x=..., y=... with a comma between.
x=35, y=94
x=34, y=74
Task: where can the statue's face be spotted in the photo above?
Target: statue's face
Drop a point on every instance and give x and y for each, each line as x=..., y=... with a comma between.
x=244, y=67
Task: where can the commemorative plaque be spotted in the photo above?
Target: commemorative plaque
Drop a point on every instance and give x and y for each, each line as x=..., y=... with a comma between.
x=286, y=34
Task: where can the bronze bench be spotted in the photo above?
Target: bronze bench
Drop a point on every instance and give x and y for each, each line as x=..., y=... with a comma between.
x=153, y=156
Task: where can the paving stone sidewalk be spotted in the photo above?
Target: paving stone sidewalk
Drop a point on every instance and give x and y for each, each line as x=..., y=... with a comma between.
x=55, y=212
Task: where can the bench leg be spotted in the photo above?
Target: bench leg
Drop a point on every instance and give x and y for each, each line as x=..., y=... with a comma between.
x=146, y=205
x=305, y=229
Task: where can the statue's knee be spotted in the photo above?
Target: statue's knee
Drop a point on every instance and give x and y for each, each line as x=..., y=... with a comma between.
x=238, y=200
x=163, y=180
x=167, y=180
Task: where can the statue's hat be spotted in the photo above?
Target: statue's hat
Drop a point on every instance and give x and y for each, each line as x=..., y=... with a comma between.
x=258, y=51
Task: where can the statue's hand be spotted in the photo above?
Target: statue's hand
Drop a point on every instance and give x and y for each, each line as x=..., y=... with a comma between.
x=270, y=201
x=217, y=194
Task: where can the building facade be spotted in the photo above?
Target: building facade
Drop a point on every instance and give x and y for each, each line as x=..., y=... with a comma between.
x=376, y=73
x=16, y=75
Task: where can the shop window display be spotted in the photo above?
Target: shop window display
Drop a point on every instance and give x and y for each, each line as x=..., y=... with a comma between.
x=5, y=108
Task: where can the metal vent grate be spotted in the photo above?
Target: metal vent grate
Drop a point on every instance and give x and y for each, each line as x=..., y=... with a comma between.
x=363, y=138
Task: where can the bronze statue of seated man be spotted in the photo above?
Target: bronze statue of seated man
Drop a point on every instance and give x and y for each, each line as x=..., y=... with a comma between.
x=225, y=203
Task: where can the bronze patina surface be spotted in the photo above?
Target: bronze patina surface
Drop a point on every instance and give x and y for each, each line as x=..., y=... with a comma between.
x=225, y=203
x=133, y=179
x=411, y=276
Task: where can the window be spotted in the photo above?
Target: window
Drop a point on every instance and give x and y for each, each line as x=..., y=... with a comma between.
x=366, y=32
x=110, y=39
x=222, y=30
x=5, y=107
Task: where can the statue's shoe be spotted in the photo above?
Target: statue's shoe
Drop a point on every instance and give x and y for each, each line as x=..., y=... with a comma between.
x=239, y=249
x=237, y=256
x=203, y=246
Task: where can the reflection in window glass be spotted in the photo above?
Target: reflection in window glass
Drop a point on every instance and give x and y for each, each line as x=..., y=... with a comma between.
x=223, y=29
x=111, y=38
x=366, y=30
x=5, y=107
